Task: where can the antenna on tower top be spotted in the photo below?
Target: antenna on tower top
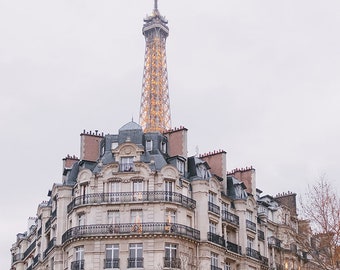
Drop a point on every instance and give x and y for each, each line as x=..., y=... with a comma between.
x=156, y=5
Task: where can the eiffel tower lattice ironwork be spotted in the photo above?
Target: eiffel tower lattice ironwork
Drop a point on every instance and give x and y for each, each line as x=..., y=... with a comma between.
x=155, y=102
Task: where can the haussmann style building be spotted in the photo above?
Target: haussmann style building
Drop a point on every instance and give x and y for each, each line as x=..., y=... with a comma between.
x=136, y=200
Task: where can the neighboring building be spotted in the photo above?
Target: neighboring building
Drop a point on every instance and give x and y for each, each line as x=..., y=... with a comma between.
x=135, y=200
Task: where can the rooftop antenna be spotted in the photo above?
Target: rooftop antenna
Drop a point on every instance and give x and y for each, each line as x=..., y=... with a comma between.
x=156, y=5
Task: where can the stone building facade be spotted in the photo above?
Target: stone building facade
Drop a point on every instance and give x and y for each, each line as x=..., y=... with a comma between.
x=135, y=200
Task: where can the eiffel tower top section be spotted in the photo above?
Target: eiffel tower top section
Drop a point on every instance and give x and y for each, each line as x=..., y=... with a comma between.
x=155, y=102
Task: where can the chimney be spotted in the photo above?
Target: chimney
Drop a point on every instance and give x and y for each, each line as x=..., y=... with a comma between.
x=177, y=142
x=90, y=145
x=288, y=199
x=247, y=176
x=217, y=161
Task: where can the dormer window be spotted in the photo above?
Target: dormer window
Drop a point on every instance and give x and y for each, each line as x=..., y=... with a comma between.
x=148, y=145
x=180, y=166
x=163, y=147
x=126, y=164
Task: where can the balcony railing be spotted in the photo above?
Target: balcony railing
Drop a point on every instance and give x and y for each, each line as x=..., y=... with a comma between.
x=77, y=265
x=260, y=235
x=39, y=231
x=213, y=267
x=229, y=217
x=250, y=225
x=215, y=238
x=213, y=208
x=254, y=254
x=131, y=228
x=17, y=257
x=30, y=267
x=54, y=214
x=50, y=246
x=29, y=249
x=126, y=167
x=233, y=247
x=172, y=262
x=111, y=263
x=135, y=262
x=274, y=242
x=36, y=260
x=124, y=197
x=48, y=224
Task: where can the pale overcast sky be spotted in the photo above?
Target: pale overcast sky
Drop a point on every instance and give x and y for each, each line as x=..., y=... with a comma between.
x=258, y=79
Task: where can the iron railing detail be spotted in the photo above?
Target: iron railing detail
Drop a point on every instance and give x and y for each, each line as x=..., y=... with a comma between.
x=111, y=263
x=77, y=265
x=213, y=208
x=29, y=249
x=172, y=263
x=230, y=217
x=234, y=248
x=17, y=257
x=50, y=246
x=131, y=228
x=135, y=262
x=125, y=197
x=215, y=238
x=250, y=225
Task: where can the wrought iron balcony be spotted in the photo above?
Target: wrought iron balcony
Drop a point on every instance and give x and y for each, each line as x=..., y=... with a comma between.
x=36, y=259
x=111, y=263
x=50, y=246
x=264, y=260
x=125, y=197
x=77, y=265
x=250, y=225
x=260, y=235
x=135, y=262
x=29, y=249
x=131, y=228
x=254, y=254
x=30, y=267
x=230, y=217
x=39, y=231
x=17, y=257
x=213, y=267
x=215, y=238
x=233, y=247
x=213, y=208
x=54, y=214
x=274, y=242
x=172, y=263
x=48, y=224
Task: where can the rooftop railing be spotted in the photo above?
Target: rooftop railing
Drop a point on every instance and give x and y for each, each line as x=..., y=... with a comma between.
x=125, y=197
x=230, y=217
x=130, y=229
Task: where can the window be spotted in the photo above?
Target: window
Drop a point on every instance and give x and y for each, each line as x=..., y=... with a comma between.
x=170, y=216
x=250, y=242
x=135, y=259
x=136, y=216
x=163, y=147
x=81, y=219
x=113, y=217
x=112, y=256
x=114, y=189
x=249, y=215
x=180, y=166
x=225, y=207
x=214, y=260
x=78, y=264
x=212, y=197
x=212, y=226
x=148, y=145
x=168, y=186
x=137, y=188
x=227, y=266
x=126, y=164
x=170, y=259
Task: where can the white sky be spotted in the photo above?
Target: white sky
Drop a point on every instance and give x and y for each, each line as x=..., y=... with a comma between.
x=259, y=79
